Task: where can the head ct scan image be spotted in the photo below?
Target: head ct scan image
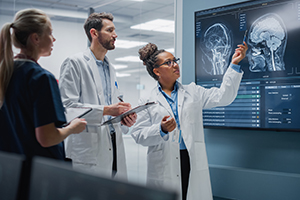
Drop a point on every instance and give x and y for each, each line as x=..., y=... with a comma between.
x=269, y=93
x=216, y=46
x=267, y=40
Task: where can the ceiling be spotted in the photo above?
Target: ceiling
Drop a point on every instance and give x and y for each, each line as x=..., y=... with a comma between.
x=126, y=13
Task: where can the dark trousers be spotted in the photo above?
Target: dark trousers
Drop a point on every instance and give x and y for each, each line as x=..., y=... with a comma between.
x=185, y=172
x=113, y=140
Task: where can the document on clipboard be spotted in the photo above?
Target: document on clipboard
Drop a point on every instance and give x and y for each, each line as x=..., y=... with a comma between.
x=134, y=110
x=78, y=112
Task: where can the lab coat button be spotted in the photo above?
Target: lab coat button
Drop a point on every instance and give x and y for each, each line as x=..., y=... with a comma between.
x=110, y=149
x=177, y=175
x=176, y=157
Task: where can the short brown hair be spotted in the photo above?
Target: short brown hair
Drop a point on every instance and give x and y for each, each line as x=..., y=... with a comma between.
x=95, y=21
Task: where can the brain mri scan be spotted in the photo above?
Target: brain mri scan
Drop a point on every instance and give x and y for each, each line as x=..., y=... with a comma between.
x=216, y=48
x=267, y=42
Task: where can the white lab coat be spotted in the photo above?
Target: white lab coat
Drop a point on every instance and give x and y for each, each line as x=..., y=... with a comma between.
x=163, y=159
x=80, y=86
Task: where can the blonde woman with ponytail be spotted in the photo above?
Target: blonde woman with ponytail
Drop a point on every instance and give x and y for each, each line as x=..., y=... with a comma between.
x=31, y=111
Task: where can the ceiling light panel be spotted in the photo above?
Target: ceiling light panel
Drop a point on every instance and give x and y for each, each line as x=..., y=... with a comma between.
x=129, y=59
x=122, y=74
x=127, y=44
x=159, y=25
x=120, y=66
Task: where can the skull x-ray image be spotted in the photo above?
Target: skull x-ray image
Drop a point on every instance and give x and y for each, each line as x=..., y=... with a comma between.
x=267, y=40
x=216, y=47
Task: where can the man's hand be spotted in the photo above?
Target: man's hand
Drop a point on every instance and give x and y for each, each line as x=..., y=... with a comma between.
x=116, y=109
x=129, y=120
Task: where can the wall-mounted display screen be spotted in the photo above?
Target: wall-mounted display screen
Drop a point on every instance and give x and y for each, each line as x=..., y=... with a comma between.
x=269, y=94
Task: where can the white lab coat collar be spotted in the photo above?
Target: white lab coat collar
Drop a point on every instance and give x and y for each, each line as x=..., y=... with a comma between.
x=95, y=73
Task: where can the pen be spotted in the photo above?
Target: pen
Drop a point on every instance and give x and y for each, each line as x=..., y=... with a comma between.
x=245, y=36
x=120, y=99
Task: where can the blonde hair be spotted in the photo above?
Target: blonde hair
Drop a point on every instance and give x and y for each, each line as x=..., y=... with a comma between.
x=26, y=22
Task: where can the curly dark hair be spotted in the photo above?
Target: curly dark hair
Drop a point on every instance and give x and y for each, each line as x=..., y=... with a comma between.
x=95, y=21
x=148, y=54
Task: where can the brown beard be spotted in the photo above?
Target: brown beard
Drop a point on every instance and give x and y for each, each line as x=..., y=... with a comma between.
x=106, y=44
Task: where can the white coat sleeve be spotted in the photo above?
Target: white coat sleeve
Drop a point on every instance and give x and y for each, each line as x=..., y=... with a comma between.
x=146, y=130
x=124, y=129
x=70, y=85
x=224, y=95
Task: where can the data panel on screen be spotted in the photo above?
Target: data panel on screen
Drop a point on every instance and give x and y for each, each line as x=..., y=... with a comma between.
x=269, y=94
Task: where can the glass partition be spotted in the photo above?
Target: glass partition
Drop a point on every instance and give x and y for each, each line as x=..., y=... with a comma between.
x=137, y=23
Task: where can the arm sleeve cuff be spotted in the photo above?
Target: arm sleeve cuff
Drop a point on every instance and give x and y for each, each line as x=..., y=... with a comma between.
x=162, y=133
x=237, y=68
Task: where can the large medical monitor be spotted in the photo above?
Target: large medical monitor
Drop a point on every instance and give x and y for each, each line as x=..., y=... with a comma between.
x=269, y=94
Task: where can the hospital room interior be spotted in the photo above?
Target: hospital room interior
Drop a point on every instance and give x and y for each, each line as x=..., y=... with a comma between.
x=251, y=146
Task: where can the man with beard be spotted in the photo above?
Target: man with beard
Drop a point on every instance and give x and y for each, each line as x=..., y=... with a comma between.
x=87, y=79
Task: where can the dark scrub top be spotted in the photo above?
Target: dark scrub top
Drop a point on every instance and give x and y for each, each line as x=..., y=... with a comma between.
x=32, y=100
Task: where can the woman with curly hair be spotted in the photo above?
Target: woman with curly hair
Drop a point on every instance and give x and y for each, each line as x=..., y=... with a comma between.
x=173, y=129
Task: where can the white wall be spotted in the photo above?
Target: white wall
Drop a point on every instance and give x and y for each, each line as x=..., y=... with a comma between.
x=70, y=39
x=5, y=19
x=149, y=84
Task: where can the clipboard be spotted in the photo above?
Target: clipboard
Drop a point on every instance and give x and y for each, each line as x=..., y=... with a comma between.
x=134, y=110
x=78, y=112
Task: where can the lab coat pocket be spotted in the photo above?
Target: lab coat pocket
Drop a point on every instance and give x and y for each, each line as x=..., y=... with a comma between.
x=201, y=157
x=156, y=165
x=85, y=147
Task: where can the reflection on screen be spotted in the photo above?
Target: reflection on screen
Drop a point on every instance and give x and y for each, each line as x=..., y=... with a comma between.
x=269, y=93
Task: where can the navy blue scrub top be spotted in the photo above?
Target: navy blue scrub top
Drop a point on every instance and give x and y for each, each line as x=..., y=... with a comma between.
x=32, y=100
